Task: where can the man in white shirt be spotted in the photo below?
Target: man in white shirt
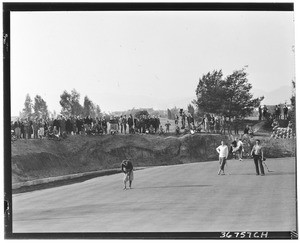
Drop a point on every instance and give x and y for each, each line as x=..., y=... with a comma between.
x=240, y=149
x=223, y=154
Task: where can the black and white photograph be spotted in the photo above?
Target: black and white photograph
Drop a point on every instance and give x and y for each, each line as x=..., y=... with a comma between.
x=150, y=121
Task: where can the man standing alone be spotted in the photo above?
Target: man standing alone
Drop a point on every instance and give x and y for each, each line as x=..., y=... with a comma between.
x=223, y=154
x=258, y=156
x=127, y=169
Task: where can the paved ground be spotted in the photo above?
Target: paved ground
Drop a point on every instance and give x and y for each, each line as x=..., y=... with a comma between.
x=181, y=198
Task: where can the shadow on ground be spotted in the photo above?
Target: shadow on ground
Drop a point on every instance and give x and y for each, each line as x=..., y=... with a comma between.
x=178, y=186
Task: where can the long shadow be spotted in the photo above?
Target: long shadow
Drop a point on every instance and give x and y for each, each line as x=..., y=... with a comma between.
x=176, y=186
x=273, y=173
x=267, y=173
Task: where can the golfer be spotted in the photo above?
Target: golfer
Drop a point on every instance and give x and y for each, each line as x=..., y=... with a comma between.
x=258, y=156
x=223, y=154
x=127, y=169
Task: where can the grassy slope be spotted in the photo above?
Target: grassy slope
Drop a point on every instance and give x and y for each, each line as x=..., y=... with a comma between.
x=34, y=159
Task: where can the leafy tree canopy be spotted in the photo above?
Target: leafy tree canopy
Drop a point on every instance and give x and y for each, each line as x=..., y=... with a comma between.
x=27, y=110
x=139, y=113
x=40, y=108
x=70, y=103
x=226, y=97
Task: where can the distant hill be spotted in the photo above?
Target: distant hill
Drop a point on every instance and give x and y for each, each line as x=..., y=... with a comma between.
x=274, y=97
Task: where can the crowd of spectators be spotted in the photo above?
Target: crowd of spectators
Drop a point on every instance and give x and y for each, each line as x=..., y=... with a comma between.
x=63, y=126
x=219, y=124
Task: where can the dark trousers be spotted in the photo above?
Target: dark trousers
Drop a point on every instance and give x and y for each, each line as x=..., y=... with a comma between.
x=258, y=165
x=222, y=161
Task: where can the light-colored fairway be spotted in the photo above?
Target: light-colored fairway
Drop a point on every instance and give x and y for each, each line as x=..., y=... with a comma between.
x=180, y=198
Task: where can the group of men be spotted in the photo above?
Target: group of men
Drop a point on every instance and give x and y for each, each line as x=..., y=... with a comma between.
x=215, y=124
x=263, y=112
x=141, y=124
x=237, y=148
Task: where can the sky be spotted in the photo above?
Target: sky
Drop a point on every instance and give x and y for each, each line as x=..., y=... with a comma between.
x=125, y=60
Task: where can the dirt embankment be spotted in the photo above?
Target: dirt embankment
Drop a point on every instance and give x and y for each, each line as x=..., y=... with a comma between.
x=36, y=159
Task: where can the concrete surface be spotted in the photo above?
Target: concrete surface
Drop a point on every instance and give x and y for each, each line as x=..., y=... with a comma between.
x=179, y=198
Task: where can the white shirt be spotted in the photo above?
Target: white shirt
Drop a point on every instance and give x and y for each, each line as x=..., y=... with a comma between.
x=223, y=151
x=240, y=144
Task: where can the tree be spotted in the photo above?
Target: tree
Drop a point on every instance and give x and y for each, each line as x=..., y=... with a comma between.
x=88, y=107
x=191, y=109
x=40, y=108
x=65, y=102
x=70, y=103
x=238, y=101
x=76, y=107
x=27, y=110
x=98, y=111
x=169, y=114
x=227, y=97
x=174, y=111
x=139, y=113
x=209, y=93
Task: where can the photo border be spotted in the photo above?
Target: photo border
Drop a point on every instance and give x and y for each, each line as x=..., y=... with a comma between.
x=117, y=6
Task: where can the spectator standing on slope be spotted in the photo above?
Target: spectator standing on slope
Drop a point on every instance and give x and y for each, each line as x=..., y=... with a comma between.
x=130, y=123
x=124, y=123
x=285, y=112
x=168, y=124
x=259, y=113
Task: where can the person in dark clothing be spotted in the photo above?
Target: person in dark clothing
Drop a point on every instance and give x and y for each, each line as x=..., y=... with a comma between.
x=78, y=127
x=176, y=120
x=285, y=112
x=22, y=130
x=147, y=122
x=233, y=148
x=236, y=126
x=142, y=124
x=265, y=112
x=104, y=125
x=30, y=128
x=17, y=128
x=130, y=123
x=279, y=112
x=246, y=130
x=136, y=124
x=69, y=127
x=259, y=113
x=157, y=123
x=124, y=123
x=56, y=124
x=127, y=169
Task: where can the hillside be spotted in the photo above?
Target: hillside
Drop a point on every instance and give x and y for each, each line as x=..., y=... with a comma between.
x=36, y=159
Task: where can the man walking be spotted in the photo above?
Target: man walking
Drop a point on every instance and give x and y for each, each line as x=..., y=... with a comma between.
x=223, y=154
x=127, y=169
